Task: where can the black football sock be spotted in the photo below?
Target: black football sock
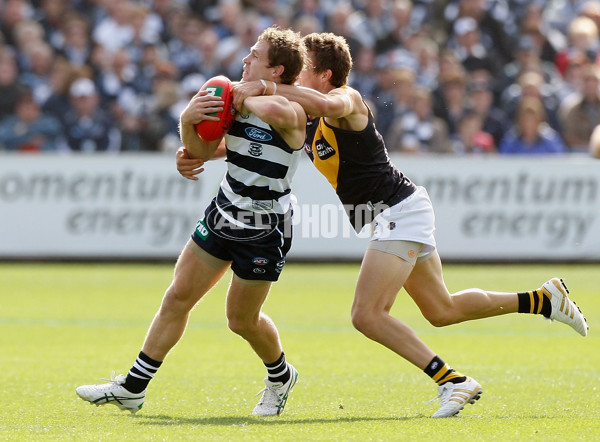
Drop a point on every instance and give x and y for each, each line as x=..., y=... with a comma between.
x=278, y=371
x=534, y=302
x=141, y=373
x=441, y=372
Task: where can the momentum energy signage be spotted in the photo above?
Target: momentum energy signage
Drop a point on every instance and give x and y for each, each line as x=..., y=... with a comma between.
x=105, y=206
x=137, y=206
x=503, y=208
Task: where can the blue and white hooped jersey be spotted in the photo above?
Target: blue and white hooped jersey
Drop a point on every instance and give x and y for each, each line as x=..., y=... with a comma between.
x=260, y=167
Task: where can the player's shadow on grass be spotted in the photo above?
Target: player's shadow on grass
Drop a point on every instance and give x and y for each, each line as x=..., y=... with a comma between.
x=164, y=420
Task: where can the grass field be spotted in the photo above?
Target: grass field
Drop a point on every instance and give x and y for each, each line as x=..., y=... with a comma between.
x=62, y=325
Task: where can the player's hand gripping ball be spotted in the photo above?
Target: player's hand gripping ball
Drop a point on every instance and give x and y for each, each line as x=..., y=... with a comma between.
x=219, y=86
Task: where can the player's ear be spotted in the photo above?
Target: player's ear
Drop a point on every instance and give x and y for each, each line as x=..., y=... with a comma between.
x=277, y=71
x=326, y=74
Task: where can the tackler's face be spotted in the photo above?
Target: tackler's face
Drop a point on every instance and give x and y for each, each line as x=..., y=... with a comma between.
x=309, y=77
x=256, y=63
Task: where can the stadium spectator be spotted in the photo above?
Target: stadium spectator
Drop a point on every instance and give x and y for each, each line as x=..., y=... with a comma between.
x=145, y=122
x=426, y=51
x=228, y=17
x=306, y=24
x=583, y=115
x=402, y=27
x=372, y=22
x=418, y=130
x=62, y=75
x=548, y=39
x=184, y=47
x=453, y=103
x=361, y=77
x=27, y=33
x=38, y=77
x=232, y=49
x=311, y=8
x=591, y=9
x=528, y=58
x=190, y=85
x=490, y=21
x=583, y=35
x=173, y=19
x=9, y=82
x=29, y=130
x=531, y=134
x=77, y=44
x=560, y=14
x=143, y=34
x=481, y=101
x=88, y=128
x=114, y=31
x=12, y=13
x=339, y=22
x=531, y=84
x=404, y=82
x=51, y=15
x=469, y=50
x=470, y=137
x=211, y=62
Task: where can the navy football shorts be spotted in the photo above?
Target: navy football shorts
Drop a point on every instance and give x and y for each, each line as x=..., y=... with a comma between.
x=255, y=254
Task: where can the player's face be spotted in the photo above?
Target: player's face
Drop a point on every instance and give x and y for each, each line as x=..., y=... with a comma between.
x=256, y=63
x=309, y=77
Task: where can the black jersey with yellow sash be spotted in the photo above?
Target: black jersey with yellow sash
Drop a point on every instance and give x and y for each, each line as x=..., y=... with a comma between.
x=358, y=167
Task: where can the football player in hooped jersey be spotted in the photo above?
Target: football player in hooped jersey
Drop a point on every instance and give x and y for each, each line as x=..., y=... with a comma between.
x=345, y=146
x=243, y=228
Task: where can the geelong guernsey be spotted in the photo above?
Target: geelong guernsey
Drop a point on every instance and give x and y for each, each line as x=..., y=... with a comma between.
x=358, y=167
x=260, y=167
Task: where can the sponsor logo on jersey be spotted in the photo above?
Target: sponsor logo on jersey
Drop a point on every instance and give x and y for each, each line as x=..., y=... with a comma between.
x=307, y=148
x=258, y=270
x=258, y=134
x=201, y=229
x=260, y=261
x=392, y=225
x=255, y=149
x=262, y=204
x=324, y=149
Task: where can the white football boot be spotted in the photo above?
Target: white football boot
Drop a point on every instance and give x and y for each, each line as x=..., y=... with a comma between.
x=454, y=397
x=563, y=309
x=275, y=395
x=112, y=392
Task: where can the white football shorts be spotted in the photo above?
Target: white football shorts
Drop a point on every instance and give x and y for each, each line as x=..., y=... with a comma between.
x=411, y=220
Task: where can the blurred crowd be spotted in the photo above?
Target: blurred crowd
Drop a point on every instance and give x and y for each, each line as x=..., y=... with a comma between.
x=460, y=76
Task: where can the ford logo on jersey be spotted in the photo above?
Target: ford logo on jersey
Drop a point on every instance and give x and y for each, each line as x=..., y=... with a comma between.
x=258, y=134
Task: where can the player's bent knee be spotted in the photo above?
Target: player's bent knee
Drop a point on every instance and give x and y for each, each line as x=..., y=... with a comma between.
x=439, y=318
x=363, y=321
x=240, y=327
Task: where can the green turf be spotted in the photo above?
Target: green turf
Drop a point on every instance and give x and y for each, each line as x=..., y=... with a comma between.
x=65, y=325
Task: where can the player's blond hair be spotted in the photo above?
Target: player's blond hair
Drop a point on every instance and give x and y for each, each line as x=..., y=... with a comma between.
x=285, y=49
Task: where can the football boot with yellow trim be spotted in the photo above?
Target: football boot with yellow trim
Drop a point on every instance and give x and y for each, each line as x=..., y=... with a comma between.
x=563, y=309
